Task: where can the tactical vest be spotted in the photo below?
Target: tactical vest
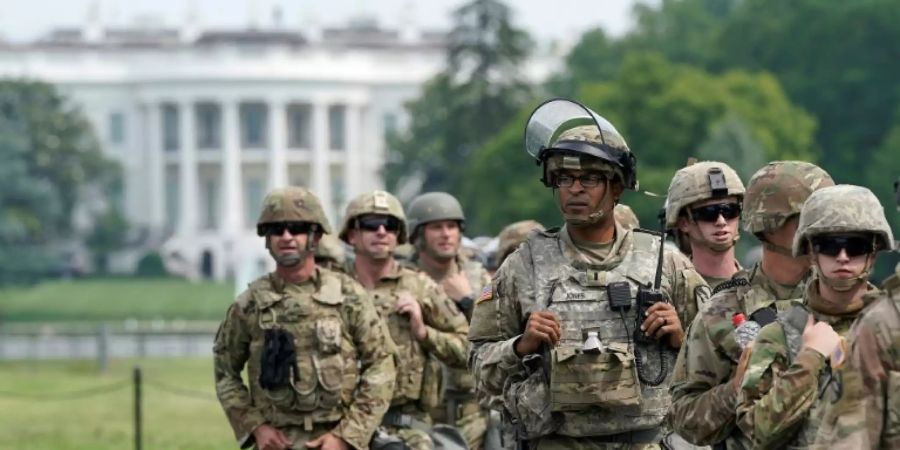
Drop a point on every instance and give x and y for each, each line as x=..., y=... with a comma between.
x=413, y=364
x=459, y=382
x=326, y=370
x=595, y=393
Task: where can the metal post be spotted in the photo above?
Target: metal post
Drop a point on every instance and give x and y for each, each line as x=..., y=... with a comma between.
x=103, y=348
x=137, y=408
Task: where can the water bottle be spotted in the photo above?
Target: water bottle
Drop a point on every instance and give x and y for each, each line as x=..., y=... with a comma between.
x=745, y=331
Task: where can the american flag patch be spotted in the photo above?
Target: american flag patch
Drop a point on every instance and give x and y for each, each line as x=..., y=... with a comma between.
x=486, y=294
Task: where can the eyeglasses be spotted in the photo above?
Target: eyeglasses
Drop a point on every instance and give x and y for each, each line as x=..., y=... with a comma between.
x=832, y=245
x=277, y=228
x=372, y=223
x=711, y=213
x=587, y=180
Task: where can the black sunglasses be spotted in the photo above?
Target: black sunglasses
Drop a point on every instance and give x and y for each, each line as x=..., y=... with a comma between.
x=277, y=228
x=372, y=223
x=711, y=213
x=832, y=245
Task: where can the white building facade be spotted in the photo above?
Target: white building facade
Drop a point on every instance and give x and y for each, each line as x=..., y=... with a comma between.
x=204, y=124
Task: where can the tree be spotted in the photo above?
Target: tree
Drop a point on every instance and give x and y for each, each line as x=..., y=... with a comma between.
x=48, y=156
x=666, y=112
x=464, y=106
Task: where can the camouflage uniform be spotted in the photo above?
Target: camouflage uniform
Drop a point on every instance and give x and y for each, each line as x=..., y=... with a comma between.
x=343, y=375
x=626, y=217
x=460, y=408
x=867, y=415
x=787, y=387
x=703, y=399
x=567, y=397
x=418, y=386
x=693, y=184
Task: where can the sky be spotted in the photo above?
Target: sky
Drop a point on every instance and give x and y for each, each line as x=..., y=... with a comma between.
x=26, y=20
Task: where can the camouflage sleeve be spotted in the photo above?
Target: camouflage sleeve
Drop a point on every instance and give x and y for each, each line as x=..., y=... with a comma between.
x=231, y=351
x=377, y=373
x=496, y=326
x=703, y=397
x=775, y=397
x=447, y=326
x=687, y=289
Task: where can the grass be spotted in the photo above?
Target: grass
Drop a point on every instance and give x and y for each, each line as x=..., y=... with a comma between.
x=105, y=421
x=100, y=300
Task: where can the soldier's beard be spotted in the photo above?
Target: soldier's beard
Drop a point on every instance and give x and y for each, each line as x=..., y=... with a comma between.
x=292, y=259
x=435, y=254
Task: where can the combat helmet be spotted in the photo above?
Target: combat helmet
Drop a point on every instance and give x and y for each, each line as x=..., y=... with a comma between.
x=512, y=235
x=776, y=193
x=698, y=182
x=291, y=204
x=564, y=134
x=843, y=208
x=375, y=202
x=431, y=207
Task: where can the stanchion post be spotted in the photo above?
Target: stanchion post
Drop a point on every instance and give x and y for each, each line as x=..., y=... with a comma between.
x=137, y=408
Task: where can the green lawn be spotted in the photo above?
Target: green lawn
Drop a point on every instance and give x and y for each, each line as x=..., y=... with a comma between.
x=104, y=421
x=115, y=299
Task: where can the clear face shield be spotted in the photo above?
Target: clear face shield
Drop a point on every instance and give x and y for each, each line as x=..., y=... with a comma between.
x=546, y=130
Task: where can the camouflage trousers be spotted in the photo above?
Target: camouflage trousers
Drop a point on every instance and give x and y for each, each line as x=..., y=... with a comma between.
x=299, y=436
x=414, y=438
x=556, y=442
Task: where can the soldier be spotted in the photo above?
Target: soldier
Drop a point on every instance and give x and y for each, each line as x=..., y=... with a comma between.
x=789, y=378
x=703, y=206
x=867, y=415
x=626, y=217
x=436, y=222
x=330, y=253
x=426, y=326
x=710, y=366
x=573, y=333
x=315, y=349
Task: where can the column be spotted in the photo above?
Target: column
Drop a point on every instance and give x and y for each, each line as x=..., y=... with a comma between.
x=187, y=169
x=232, y=192
x=278, y=165
x=352, y=162
x=156, y=195
x=320, y=170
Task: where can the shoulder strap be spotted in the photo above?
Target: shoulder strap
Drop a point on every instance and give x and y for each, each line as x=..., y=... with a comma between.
x=732, y=283
x=793, y=321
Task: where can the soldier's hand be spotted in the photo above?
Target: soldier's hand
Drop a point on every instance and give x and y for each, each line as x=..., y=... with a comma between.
x=457, y=286
x=738, y=377
x=820, y=337
x=328, y=441
x=662, y=321
x=270, y=438
x=407, y=305
x=543, y=328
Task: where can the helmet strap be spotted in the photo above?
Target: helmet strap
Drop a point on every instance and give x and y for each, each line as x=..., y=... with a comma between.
x=592, y=218
x=843, y=284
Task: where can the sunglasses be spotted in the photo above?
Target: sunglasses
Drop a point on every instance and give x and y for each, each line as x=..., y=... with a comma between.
x=373, y=223
x=277, y=228
x=832, y=245
x=711, y=213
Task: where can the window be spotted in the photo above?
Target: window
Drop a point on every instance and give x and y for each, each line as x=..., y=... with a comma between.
x=299, y=121
x=253, y=125
x=338, y=194
x=172, y=199
x=253, y=197
x=337, y=127
x=209, y=126
x=117, y=128
x=211, y=206
x=170, y=127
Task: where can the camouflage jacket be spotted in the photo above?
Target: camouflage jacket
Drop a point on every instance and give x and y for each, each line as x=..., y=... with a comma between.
x=446, y=339
x=867, y=415
x=345, y=373
x=501, y=314
x=786, y=387
x=703, y=399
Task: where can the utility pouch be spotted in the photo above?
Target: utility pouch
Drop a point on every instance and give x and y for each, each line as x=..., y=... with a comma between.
x=580, y=380
x=432, y=384
x=278, y=363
